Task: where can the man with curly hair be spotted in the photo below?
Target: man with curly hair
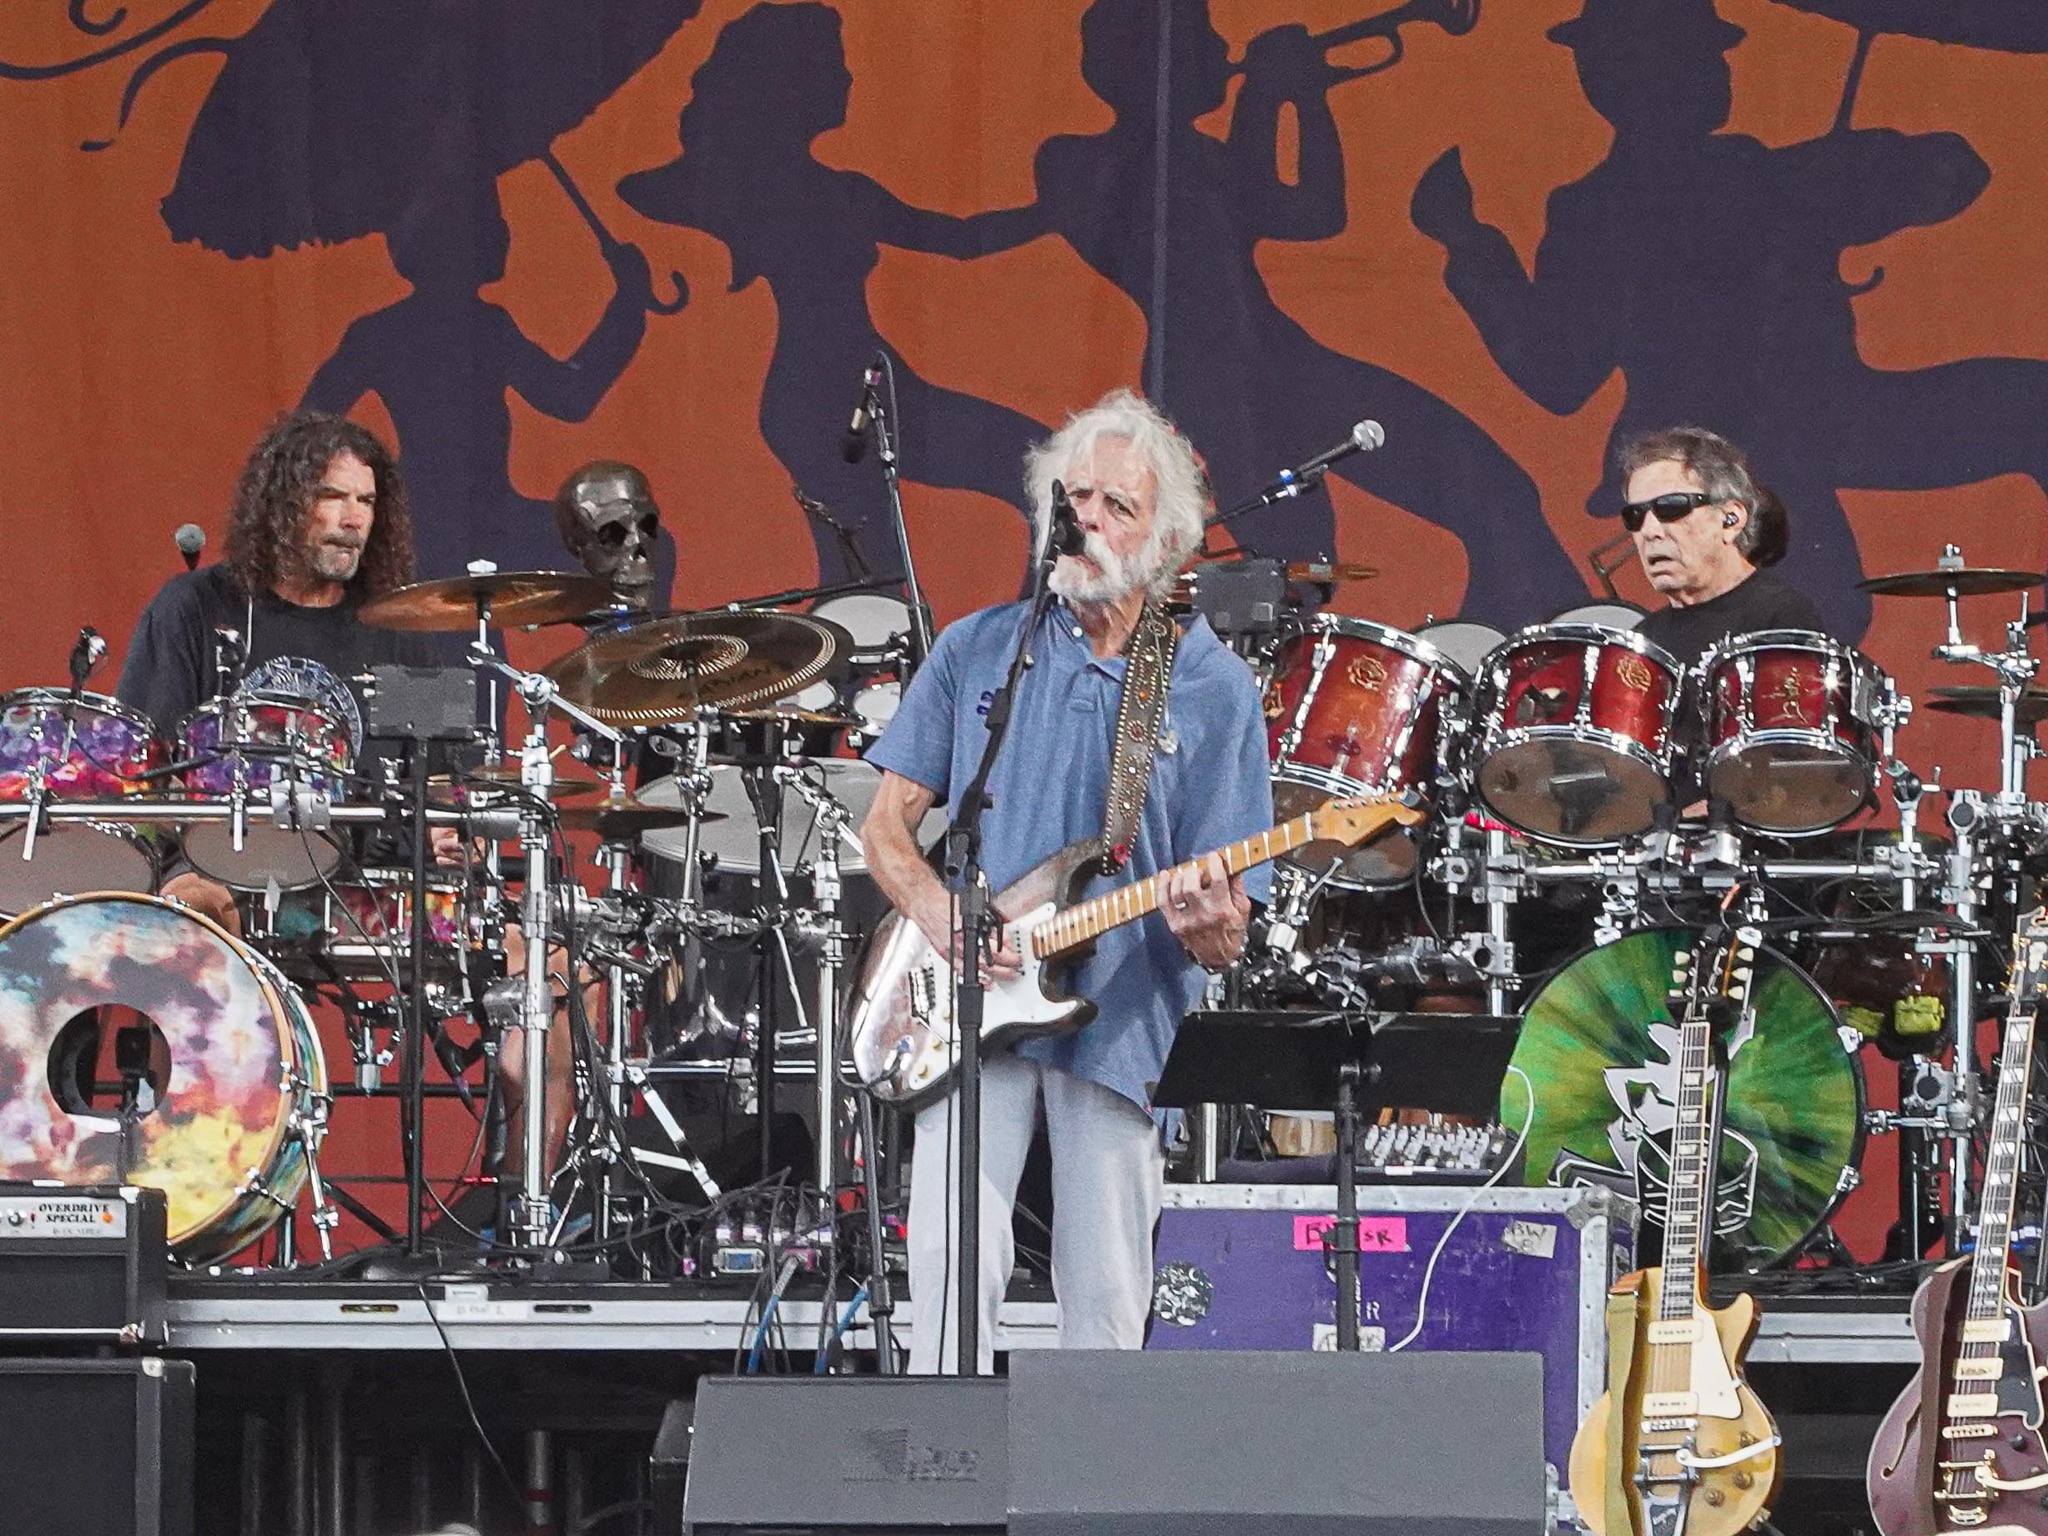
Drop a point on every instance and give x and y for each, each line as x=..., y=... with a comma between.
x=320, y=524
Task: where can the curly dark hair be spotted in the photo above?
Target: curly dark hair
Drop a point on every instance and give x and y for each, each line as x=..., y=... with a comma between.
x=277, y=486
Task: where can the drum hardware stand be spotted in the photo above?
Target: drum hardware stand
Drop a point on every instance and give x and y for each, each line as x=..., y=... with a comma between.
x=1959, y=894
x=538, y=693
x=834, y=952
x=882, y=417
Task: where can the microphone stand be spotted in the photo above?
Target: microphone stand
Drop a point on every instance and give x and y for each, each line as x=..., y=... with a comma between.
x=963, y=867
x=883, y=420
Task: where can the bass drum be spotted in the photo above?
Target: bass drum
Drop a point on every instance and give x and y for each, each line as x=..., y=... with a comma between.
x=1597, y=1049
x=236, y=1087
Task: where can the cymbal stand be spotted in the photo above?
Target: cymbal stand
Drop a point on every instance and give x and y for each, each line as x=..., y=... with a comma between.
x=2014, y=667
x=834, y=951
x=1959, y=894
x=538, y=693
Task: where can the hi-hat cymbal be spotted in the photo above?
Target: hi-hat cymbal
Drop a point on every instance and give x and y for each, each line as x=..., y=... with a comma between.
x=627, y=817
x=1963, y=580
x=665, y=671
x=513, y=598
x=2029, y=709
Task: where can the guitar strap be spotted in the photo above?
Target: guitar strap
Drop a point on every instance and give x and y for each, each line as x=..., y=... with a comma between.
x=1148, y=669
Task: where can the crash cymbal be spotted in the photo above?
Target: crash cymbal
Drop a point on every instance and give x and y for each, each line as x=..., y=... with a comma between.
x=665, y=671
x=515, y=598
x=626, y=817
x=1982, y=703
x=1964, y=580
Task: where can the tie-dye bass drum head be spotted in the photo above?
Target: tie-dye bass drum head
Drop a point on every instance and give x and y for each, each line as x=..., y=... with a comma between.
x=1599, y=1046
x=236, y=1075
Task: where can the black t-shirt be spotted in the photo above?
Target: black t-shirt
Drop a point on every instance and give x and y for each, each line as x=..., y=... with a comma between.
x=170, y=667
x=1764, y=601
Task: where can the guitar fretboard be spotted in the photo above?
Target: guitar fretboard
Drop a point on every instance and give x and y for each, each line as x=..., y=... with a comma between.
x=1087, y=920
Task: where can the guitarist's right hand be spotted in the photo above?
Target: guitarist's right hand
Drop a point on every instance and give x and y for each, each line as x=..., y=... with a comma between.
x=934, y=919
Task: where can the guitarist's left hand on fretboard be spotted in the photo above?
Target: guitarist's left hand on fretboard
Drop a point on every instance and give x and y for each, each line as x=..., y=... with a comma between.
x=1206, y=908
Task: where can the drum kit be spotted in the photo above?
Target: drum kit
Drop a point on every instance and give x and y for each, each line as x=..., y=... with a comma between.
x=279, y=790
x=1594, y=800
x=1561, y=864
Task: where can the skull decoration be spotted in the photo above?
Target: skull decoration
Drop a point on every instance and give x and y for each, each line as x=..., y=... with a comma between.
x=606, y=515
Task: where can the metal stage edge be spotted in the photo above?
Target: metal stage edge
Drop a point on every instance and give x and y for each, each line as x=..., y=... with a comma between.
x=530, y=1318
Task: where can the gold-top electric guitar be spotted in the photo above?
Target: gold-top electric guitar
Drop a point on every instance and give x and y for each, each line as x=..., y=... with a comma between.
x=900, y=1028
x=1678, y=1445
x=1962, y=1447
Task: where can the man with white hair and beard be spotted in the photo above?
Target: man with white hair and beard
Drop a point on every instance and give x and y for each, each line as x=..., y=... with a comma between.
x=1139, y=495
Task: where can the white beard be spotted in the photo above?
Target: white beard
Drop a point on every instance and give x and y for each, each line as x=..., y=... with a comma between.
x=1117, y=578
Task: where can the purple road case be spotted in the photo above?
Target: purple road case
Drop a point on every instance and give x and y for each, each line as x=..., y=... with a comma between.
x=1241, y=1266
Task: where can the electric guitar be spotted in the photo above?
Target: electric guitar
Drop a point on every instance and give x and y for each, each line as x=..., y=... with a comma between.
x=1678, y=1445
x=1961, y=1449
x=901, y=1034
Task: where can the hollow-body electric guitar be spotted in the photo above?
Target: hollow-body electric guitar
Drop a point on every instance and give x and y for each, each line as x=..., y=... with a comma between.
x=1961, y=1449
x=1679, y=1445
x=900, y=1026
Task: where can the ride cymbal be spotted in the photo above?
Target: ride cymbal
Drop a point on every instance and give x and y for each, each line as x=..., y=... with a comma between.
x=1963, y=580
x=2031, y=708
x=664, y=671
x=511, y=597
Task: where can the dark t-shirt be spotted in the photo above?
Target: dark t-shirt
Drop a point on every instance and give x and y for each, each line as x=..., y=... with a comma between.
x=1764, y=601
x=170, y=665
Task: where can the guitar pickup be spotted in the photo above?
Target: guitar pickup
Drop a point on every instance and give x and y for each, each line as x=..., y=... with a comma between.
x=1988, y=1330
x=1676, y=1330
x=1968, y=1431
x=1676, y=1405
x=1973, y=1404
x=1978, y=1370
x=920, y=980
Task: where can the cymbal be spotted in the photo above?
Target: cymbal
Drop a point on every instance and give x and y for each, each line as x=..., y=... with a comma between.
x=1982, y=703
x=507, y=774
x=1329, y=572
x=515, y=597
x=1965, y=580
x=627, y=816
x=662, y=672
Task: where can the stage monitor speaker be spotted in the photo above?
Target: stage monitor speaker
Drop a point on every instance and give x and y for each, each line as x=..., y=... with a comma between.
x=100, y=1446
x=1123, y=1443
x=837, y=1455
x=1131, y=1444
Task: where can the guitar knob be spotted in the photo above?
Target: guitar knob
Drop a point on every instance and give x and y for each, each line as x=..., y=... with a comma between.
x=2019, y=1442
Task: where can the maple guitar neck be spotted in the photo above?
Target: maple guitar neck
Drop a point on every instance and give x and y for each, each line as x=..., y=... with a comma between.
x=1084, y=921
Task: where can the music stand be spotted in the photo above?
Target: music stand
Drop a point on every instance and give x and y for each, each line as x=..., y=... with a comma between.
x=1448, y=1063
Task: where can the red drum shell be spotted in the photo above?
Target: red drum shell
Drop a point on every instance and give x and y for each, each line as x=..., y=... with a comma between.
x=1575, y=735
x=1790, y=743
x=1356, y=708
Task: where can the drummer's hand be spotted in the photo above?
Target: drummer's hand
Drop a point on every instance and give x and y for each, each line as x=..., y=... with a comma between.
x=1207, y=910
x=206, y=897
x=447, y=845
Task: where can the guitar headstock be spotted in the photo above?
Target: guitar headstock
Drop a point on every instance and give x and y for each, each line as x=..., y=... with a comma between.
x=1355, y=818
x=2029, y=959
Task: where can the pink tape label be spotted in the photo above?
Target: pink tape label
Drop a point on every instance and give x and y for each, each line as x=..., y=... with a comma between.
x=1376, y=1234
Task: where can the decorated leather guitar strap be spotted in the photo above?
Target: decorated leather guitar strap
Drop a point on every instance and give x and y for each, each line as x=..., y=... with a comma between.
x=1148, y=668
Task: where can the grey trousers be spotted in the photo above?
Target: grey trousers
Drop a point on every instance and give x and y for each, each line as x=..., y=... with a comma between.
x=1107, y=1168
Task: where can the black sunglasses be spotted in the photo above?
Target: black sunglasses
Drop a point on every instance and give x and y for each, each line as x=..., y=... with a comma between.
x=1669, y=507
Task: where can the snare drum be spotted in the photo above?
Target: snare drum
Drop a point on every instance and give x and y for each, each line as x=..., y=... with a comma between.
x=1357, y=708
x=1574, y=733
x=265, y=742
x=237, y=1088
x=1792, y=738
x=92, y=750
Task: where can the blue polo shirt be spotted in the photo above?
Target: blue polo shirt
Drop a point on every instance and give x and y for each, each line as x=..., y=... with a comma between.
x=1209, y=788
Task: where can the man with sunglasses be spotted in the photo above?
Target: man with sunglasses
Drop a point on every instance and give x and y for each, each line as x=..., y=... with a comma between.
x=1704, y=531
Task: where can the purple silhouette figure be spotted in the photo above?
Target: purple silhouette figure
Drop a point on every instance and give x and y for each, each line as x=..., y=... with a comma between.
x=777, y=79
x=1706, y=267
x=441, y=360
x=1173, y=218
